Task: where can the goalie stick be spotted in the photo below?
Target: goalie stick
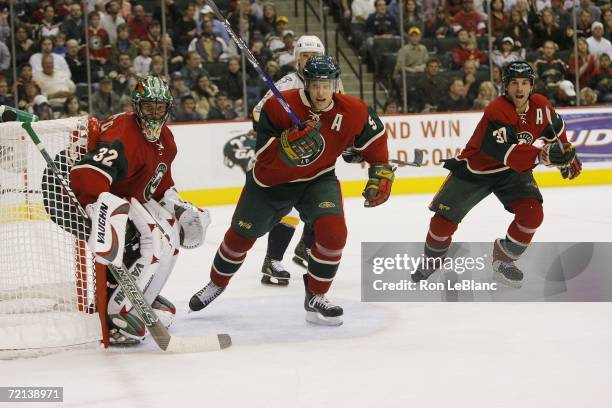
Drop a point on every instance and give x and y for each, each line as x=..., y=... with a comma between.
x=165, y=340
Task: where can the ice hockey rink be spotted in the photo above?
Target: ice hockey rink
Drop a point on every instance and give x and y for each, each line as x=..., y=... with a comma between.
x=385, y=354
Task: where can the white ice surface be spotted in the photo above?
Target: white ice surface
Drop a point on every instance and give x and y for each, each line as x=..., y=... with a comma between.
x=385, y=354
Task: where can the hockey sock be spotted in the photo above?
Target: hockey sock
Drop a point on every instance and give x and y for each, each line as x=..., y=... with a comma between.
x=229, y=257
x=439, y=236
x=278, y=240
x=308, y=237
x=528, y=216
x=330, y=233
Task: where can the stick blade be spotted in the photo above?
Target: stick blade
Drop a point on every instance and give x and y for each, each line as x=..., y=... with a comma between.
x=418, y=157
x=199, y=344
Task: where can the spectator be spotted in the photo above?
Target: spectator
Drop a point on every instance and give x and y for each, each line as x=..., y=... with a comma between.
x=123, y=44
x=231, y=82
x=412, y=17
x=587, y=5
x=486, y=93
x=545, y=28
x=585, y=21
x=55, y=85
x=565, y=95
x=518, y=29
x=105, y=102
x=210, y=47
x=361, y=10
x=5, y=57
x=193, y=68
x=99, y=46
x=470, y=80
x=72, y=107
x=499, y=19
x=522, y=6
x=455, y=98
x=207, y=13
x=586, y=63
x=285, y=57
x=74, y=25
x=282, y=25
x=172, y=12
x=24, y=77
x=597, y=44
x=59, y=44
x=222, y=109
x=607, y=22
x=469, y=19
x=156, y=39
x=5, y=97
x=186, y=111
x=438, y=26
x=467, y=49
x=50, y=25
x=268, y=23
x=232, y=48
x=186, y=30
x=380, y=23
x=76, y=64
x=507, y=53
x=41, y=108
x=143, y=61
x=126, y=105
x=413, y=56
x=390, y=107
x=178, y=86
x=562, y=17
x=205, y=92
x=550, y=69
x=430, y=90
x=5, y=26
x=139, y=23
x=122, y=73
x=496, y=79
x=24, y=46
x=26, y=101
x=602, y=79
x=111, y=19
x=46, y=47
x=588, y=96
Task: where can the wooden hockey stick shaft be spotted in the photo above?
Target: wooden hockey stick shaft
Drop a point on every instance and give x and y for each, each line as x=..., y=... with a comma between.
x=159, y=332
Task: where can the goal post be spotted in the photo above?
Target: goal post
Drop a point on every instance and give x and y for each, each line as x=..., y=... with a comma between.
x=52, y=295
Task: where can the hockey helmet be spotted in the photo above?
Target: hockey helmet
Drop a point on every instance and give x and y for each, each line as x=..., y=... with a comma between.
x=307, y=43
x=322, y=68
x=151, y=88
x=517, y=69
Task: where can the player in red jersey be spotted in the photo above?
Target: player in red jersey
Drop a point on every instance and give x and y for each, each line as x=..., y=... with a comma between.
x=295, y=168
x=499, y=159
x=138, y=219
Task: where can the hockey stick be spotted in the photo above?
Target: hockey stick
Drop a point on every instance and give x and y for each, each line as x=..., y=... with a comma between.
x=249, y=55
x=417, y=162
x=165, y=341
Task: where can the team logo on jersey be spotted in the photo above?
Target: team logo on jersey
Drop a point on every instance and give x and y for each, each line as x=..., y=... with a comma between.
x=524, y=137
x=327, y=204
x=245, y=225
x=152, y=185
x=239, y=151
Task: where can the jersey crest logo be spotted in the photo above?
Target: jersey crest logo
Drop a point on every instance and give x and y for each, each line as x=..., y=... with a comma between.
x=327, y=204
x=524, y=137
x=239, y=151
x=152, y=185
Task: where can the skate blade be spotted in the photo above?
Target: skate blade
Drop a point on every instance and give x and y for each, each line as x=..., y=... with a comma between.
x=300, y=261
x=273, y=281
x=319, y=319
x=502, y=279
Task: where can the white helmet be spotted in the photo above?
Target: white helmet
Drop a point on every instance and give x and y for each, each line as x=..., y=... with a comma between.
x=307, y=43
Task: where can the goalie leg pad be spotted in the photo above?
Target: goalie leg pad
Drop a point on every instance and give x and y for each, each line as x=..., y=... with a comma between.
x=109, y=215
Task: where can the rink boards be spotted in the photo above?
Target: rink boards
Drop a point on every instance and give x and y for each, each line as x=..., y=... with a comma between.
x=212, y=155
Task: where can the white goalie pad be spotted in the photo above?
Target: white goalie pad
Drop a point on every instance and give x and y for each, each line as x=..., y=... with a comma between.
x=193, y=221
x=109, y=217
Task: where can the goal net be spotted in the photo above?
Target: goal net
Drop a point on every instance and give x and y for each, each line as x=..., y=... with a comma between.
x=48, y=296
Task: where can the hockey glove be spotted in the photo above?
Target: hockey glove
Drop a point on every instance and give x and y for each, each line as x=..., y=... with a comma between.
x=192, y=220
x=350, y=155
x=300, y=147
x=378, y=188
x=553, y=155
x=572, y=170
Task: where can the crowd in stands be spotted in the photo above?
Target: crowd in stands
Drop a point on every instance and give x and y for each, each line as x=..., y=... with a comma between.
x=443, y=65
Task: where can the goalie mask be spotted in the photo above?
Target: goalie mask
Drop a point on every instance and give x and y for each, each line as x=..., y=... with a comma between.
x=152, y=104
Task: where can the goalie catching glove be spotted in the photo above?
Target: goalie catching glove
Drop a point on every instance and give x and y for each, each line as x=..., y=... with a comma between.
x=378, y=188
x=565, y=159
x=192, y=220
x=300, y=147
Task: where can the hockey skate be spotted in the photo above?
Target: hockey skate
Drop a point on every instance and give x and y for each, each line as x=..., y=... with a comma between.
x=274, y=273
x=301, y=254
x=204, y=296
x=319, y=310
x=164, y=309
x=424, y=271
x=508, y=273
x=117, y=339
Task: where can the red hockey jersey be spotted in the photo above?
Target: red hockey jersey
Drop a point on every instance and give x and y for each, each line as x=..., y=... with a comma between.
x=124, y=163
x=347, y=122
x=504, y=139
